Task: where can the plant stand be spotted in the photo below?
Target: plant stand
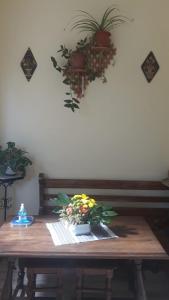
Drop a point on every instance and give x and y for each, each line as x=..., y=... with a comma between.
x=5, y=182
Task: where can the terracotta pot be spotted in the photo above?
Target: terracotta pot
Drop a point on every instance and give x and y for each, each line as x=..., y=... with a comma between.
x=102, y=38
x=77, y=60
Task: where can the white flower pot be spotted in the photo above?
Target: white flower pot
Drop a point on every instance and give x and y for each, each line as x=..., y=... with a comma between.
x=80, y=229
x=9, y=172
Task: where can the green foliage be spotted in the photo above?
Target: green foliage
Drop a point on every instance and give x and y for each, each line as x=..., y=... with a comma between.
x=82, y=44
x=14, y=158
x=81, y=209
x=72, y=102
x=110, y=20
x=78, y=78
x=55, y=64
x=65, y=52
x=62, y=199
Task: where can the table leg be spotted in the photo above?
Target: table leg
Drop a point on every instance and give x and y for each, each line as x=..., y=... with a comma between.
x=21, y=273
x=20, y=279
x=7, y=288
x=5, y=201
x=140, y=290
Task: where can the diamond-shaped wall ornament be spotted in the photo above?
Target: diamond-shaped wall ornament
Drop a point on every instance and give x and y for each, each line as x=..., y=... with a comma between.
x=28, y=64
x=150, y=66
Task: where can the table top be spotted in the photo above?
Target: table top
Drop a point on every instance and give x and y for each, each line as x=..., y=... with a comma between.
x=136, y=241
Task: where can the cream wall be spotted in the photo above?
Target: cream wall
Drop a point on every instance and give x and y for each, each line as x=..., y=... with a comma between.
x=121, y=130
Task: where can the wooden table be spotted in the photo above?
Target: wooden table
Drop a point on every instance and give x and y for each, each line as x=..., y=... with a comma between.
x=136, y=241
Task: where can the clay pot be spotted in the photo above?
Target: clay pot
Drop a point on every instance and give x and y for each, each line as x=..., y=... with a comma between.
x=102, y=38
x=77, y=60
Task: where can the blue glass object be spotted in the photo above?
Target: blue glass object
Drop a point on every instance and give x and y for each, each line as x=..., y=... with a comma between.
x=22, y=218
x=26, y=222
x=22, y=214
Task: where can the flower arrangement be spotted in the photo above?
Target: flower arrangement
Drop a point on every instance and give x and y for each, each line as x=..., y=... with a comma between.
x=81, y=209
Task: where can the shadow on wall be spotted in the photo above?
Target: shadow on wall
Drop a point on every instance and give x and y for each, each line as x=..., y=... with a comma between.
x=27, y=192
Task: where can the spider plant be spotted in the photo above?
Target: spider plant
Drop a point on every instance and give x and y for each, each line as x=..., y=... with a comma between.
x=110, y=20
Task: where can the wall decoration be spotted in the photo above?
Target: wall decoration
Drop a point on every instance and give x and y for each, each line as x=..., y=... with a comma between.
x=91, y=56
x=150, y=67
x=28, y=64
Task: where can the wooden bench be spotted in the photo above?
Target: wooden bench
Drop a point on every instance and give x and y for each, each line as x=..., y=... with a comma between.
x=128, y=197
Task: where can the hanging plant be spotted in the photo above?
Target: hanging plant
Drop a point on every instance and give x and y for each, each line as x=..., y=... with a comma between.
x=83, y=65
x=99, y=30
x=91, y=56
x=73, y=72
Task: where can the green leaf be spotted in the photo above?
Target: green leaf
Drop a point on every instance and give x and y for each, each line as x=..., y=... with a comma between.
x=86, y=22
x=56, y=210
x=75, y=105
x=109, y=213
x=106, y=206
x=59, y=201
x=106, y=220
x=106, y=14
x=68, y=105
x=68, y=101
x=66, y=81
x=63, y=198
x=76, y=100
x=54, y=61
x=59, y=69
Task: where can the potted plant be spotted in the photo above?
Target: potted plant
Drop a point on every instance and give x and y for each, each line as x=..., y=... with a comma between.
x=91, y=56
x=100, y=30
x=74, y=72
x=81, y=211
x=13, y=160
x=77, y=60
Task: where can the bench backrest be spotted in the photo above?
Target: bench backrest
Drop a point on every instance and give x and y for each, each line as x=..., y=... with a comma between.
x=128, y=197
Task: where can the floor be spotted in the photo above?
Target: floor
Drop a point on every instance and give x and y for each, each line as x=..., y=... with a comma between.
x=156, y=285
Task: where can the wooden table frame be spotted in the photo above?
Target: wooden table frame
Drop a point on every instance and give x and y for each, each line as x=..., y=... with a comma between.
x=136, y=242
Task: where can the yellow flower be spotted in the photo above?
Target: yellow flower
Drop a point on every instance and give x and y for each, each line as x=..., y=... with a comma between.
x=84, y=201
x=85, y=206
x=84, y=196
x=92, y=203
x=76, y=197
